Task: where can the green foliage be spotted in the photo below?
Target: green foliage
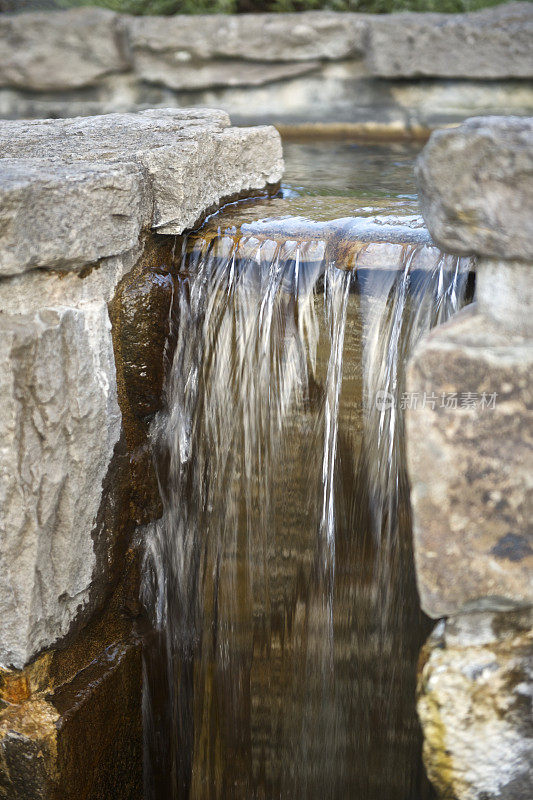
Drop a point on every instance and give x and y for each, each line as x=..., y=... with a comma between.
x=233, y=6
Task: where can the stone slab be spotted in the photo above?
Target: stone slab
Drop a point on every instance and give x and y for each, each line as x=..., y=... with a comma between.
x=491, y=43
x=75, y=191
x=306, y=36
x=470, y=467
x=59, y=49
x=191, y=76
x=474, y=703
x=476, y=187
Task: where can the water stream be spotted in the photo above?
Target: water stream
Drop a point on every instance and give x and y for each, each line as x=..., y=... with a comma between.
x=280, y=577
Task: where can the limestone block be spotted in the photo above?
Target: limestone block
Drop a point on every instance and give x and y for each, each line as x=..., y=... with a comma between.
x=470, y=466
x=75, y=191
x=65, y=216
x=492, y=43
x=59, y=50
x=474, y=703
x=252, y=37
x=476, y=187
x=60, y=422
x=192, y=177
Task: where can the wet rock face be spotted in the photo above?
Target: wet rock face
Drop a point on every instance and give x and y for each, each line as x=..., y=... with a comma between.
x=475, y=706
x=141, y=317
x=476, y=187
x=470, y=462
x=81, y=738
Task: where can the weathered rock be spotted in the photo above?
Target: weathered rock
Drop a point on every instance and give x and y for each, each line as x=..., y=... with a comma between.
x=474, y=702
x=43, y=737
x=59, y=426
x=470, y=466
x=50, y=213
x=492, y=43
x=476, y=187
x=251, y=37
x=75, y=191
x=59, y=50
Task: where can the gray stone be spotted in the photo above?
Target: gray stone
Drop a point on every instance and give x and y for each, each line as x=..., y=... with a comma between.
x=68, y=215
x=470, y=467
x=251, y=37
x=59, y=425
x=75, y=191
x=173, y=72
x=59, y=50
x=476, y=187
x=504, y=294
x=492, y=43
x=474, y=702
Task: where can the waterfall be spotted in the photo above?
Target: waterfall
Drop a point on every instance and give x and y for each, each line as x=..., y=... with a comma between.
x=279, y=578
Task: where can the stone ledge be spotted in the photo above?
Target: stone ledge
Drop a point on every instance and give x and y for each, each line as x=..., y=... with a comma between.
x=78, y=190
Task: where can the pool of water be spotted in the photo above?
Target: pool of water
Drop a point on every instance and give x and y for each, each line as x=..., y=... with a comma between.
x=349, y=169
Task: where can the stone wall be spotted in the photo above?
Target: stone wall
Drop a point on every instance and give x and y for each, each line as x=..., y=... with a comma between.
x=470, y=454
x=85, y=295
x=377, y=74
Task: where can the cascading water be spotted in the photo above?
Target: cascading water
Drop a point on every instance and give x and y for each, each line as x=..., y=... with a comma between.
x=280, y=578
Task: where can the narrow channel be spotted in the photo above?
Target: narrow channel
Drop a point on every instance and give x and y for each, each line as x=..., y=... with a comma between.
x=280, y=579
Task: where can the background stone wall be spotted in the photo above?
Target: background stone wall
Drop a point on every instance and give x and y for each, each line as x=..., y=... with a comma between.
x=398, y=74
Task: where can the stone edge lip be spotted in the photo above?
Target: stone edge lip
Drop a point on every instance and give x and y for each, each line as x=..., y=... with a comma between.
x=475, y=186
x=76, y=191
x=38, y=56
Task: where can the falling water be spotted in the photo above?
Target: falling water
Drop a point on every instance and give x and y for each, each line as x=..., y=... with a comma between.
x=280, y=578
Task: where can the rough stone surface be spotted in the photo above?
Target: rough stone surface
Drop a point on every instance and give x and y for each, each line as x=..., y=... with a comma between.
x=251, y=37
x=59, y=426
x=504, y=294
x=475, y=705
x=63, y=180
x=59, y=50
x=492, y=43
x=476, y=187
x=276, y=67
x=470, y=467
x=50, y=211
x=44, y=752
